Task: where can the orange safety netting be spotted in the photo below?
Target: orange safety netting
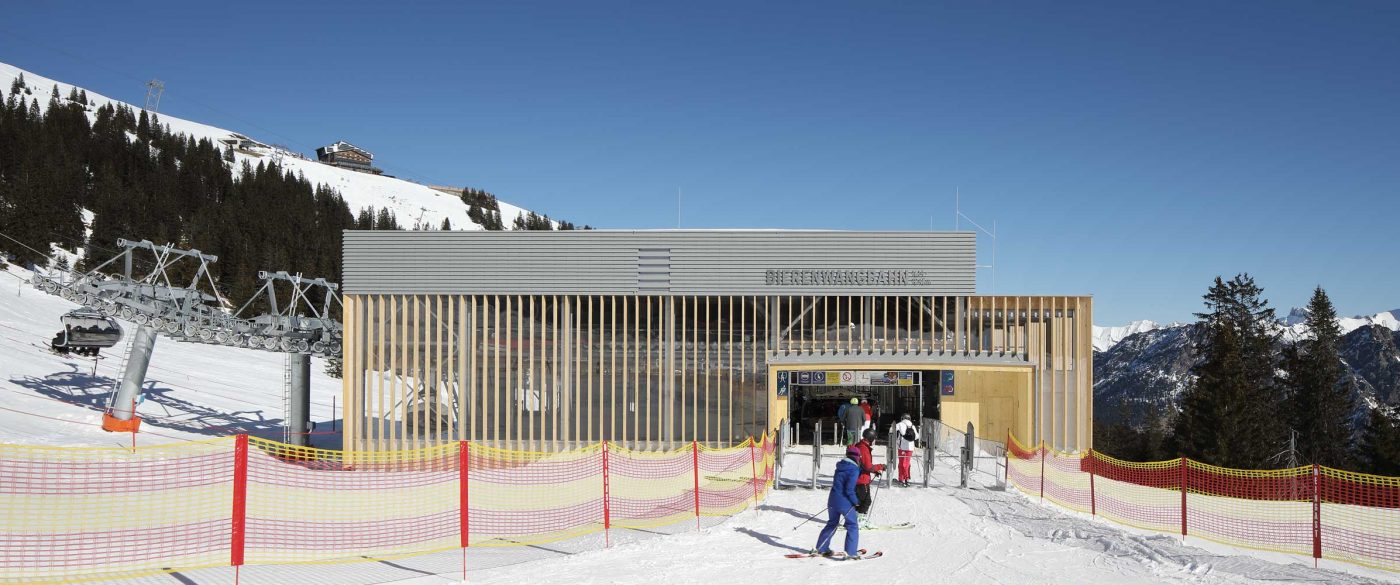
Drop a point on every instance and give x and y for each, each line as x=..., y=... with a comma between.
x=73, y=514
x=1313, y=510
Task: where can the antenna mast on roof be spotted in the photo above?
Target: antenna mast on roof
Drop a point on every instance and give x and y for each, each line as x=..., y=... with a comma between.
x=154, y=89
x=959, y=216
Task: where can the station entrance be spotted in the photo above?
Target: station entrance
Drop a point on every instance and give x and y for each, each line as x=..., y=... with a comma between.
x=816, y=398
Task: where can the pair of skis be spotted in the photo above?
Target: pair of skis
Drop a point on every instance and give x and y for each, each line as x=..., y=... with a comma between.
x=864, y=554
x=837, y=555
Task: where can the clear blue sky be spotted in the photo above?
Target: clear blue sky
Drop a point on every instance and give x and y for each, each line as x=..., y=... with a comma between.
x=1132, y=151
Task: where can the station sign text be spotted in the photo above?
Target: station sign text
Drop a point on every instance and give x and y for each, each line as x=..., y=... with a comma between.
x=845, y=277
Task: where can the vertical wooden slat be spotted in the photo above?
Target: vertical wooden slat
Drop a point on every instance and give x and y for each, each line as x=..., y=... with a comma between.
x=415, y=332
x=626, y=406
x=709, y=369
x=637, y=356
x=595, y=418
x=398, y=359
x=682, y=383
x=650, y=389
x=884, y=324
x=439, y=371
x=531, y=387
x=695, y=378
x=728, y=422
x=466, y=356
x=505, y=335
x=612, y=373
x=556, y=391
x=515, y=421
x=374, y=430
x=351, y=379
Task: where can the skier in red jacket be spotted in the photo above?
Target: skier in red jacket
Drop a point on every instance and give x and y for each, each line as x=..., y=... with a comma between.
x=867, y=468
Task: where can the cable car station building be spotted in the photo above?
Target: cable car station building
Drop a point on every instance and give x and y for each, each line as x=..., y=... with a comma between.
x=551, y=340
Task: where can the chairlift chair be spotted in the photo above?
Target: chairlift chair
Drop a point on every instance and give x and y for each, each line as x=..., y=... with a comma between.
x=85, y=332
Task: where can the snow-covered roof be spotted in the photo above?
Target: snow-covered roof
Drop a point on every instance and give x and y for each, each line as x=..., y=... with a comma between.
x=342, y=145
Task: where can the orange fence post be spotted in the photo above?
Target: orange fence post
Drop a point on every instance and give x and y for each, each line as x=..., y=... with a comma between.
x=1043, y=452
x=753, y=469
x=464, y=518
x=1183, y=497
x=1317, y=513
x=607, y=512
x=695, y=460
x=240, y=502
x=1093, y=499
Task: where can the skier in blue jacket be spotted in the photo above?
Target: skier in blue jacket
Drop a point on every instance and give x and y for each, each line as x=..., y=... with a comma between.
x=842, y=504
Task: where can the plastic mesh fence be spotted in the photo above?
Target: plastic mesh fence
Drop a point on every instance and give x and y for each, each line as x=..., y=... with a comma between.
x=73, y=514
x=68, y=514
x=1313, y=511
x=1359, y=518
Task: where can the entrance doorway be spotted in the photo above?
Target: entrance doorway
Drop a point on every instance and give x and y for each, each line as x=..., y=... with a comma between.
x=817, y=396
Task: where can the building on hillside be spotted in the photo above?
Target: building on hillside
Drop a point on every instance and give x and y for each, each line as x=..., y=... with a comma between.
x=243, y=144
x=651, y=339
x=345, y=155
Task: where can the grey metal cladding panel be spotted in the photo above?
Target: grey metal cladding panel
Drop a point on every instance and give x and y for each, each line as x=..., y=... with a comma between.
x=609, y=262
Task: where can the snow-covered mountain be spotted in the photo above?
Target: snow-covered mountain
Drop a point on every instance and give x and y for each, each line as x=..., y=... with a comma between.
x=1145, y=372
x=1107, y=337
x=410, y=202
x=1295, y=327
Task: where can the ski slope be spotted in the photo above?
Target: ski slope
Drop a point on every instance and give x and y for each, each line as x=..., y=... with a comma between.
x=412, y=203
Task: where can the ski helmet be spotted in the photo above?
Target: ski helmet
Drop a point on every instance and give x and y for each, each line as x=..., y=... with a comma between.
x=853, y=452
x=868, y=435
x=855, y=400
x=904, y=416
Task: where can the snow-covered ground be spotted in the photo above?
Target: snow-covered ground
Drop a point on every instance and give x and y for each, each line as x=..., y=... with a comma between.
x=410, y=202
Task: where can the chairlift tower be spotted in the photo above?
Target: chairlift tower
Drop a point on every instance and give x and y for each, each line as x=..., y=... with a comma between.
x=154, y=89
x=299, y=326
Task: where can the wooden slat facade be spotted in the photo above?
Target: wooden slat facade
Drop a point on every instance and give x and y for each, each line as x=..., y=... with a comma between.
x=553, y=372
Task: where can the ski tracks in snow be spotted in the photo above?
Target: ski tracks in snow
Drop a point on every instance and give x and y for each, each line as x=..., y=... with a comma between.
x=1127, y=553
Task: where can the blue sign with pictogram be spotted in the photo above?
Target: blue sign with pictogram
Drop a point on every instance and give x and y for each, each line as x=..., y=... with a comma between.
x=946, y=387
x=782, y=383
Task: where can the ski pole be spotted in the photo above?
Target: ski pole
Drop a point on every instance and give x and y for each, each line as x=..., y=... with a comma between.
x=814, y=516
x=875, y=492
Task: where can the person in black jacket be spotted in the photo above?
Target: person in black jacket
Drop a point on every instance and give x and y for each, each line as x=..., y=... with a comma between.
x=853, y=418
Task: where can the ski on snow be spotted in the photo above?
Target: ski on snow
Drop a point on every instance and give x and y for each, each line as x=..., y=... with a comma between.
x=897, y=526
x=837, y=556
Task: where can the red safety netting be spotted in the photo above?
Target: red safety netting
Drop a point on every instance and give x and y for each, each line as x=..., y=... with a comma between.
x=1313, y=511
x=70, y=514
x=67, y=513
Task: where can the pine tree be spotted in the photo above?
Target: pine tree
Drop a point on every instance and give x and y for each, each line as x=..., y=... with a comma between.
x=1319, y=400
x=1229, y=415
x=519, y=223
x=1379, y=449
x=446, y=224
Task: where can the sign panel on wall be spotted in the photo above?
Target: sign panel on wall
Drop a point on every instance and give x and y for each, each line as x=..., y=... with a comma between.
x=782, y=383
x=855, y=378
x=946, y=387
